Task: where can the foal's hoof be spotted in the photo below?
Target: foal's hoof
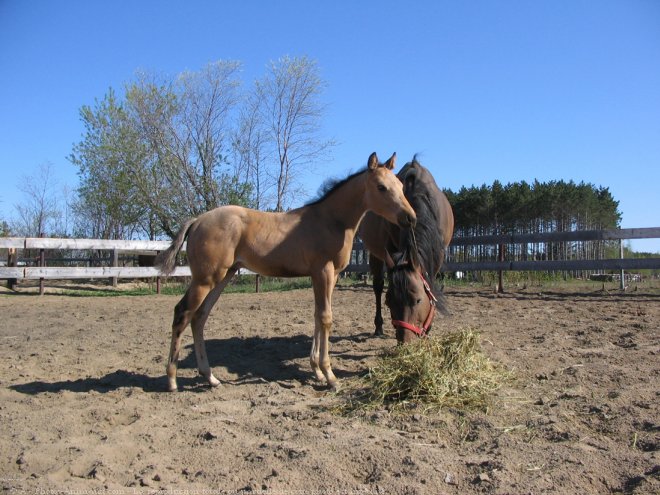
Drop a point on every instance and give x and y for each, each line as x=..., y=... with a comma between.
x=333, y=386
x=213, y=381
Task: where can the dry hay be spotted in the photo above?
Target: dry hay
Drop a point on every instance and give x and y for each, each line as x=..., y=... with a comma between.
x=449, y=371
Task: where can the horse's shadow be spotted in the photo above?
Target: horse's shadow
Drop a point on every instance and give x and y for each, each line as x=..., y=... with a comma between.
x=271, y=359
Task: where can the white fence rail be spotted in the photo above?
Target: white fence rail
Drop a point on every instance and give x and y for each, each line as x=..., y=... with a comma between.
x=14, y=272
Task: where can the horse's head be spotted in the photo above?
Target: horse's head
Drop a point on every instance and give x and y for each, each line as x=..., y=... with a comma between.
x=410, y=297
x=384, y=195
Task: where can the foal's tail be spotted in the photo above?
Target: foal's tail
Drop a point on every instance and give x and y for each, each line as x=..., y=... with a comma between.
x=166, y=259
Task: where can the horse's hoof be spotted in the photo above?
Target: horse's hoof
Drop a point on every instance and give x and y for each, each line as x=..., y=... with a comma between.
x=379, y=333
x=333, y=386
x=213, y=381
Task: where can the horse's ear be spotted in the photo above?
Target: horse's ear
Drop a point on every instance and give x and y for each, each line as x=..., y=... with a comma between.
x=389, y=164
x=372, y=164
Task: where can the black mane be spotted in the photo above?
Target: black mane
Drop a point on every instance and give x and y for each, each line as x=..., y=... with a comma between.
x=329, y=186
x=426, y=243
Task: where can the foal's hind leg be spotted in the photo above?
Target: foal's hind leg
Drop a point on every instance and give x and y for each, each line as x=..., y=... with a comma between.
x=198, y=322
x=183, y=313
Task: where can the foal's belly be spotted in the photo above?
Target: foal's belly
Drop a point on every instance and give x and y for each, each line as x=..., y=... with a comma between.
x=278, y=263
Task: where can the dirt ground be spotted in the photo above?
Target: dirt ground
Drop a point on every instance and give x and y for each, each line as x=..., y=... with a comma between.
x=83, y=407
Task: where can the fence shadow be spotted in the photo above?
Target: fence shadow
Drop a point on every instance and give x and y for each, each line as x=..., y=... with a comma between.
x=108, y=383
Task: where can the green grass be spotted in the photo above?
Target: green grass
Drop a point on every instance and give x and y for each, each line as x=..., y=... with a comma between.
x=240, y=285
x=514, y=281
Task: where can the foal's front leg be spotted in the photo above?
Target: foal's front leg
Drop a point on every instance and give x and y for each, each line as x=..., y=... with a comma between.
x=323, y=283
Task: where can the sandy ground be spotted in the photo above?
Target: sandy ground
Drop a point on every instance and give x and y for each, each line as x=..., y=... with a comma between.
x=83, y=407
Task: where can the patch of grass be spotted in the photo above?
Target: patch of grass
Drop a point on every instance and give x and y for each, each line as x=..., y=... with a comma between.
x=244, y=284
x=106, y=293
x=431, y=374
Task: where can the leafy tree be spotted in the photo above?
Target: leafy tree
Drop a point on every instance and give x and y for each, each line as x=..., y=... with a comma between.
x=109, y=205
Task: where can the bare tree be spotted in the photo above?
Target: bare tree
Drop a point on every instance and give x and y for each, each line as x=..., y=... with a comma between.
x=187, y=126
x=290, y=111
x=250, y=153
x=39, y=211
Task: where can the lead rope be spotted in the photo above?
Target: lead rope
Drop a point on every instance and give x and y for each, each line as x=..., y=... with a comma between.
x=414, y=239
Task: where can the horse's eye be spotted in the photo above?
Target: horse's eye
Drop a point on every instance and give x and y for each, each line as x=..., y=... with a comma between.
x=418, y=301
x=382, y=188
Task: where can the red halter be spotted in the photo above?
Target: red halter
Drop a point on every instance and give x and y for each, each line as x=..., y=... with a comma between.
x=423, y=330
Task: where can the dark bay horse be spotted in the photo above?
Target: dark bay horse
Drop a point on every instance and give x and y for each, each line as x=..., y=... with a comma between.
x=413, y=256
x=314, y=240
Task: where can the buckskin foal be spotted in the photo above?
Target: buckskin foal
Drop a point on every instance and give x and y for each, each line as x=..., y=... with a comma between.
x=314, y=240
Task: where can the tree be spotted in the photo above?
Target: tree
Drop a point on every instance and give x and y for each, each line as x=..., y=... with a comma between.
x=520, y=208
x=162, y=154
x=185, y=125
x=249, y=145
x=288, y=98
x=39, y=212
x=109, y=204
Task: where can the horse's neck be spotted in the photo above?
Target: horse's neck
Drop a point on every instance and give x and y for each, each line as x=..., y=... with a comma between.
x=346, y=206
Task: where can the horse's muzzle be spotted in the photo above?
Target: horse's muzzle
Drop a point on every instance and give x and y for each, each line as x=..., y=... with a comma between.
x=407, y=220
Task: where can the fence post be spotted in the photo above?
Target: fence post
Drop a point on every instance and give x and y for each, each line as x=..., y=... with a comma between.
x=115, y=264
x=500, y=278
x=622, y=285
x=257, y=283
x=157, y=278
x=42, y=263
x=12, y=261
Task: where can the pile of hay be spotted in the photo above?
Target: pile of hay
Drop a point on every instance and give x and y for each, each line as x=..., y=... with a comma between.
x=431, y=373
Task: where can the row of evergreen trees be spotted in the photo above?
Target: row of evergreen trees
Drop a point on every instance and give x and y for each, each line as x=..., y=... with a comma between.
x=524, y=208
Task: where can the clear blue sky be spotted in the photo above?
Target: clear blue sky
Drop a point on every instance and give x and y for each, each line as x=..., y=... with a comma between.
x=484, y=90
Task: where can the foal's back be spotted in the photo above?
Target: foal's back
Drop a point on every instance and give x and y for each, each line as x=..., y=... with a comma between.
x=264, y=242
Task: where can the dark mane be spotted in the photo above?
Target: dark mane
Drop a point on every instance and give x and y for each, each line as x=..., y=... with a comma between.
x=426, y=243
x=427, y=238
x=329, y=186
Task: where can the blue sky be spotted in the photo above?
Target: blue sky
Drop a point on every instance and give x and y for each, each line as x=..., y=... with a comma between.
x=483, y=90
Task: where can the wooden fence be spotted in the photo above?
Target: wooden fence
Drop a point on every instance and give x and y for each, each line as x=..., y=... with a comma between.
x=359, y=259
x=556, y=237
x=501, y=242
x=36, y=267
